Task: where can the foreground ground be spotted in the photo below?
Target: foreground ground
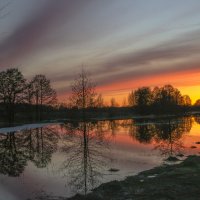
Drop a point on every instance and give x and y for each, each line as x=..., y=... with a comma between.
x=181, y=181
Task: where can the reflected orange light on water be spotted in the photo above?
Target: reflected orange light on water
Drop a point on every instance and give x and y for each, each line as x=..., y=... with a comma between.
x=124, y=140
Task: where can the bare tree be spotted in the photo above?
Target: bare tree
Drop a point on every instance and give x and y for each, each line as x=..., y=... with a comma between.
x=83, y=92
x=12, y=86
x=42, y=93
x=29, y=97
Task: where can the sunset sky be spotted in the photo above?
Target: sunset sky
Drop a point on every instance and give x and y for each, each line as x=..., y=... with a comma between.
x=124, y=44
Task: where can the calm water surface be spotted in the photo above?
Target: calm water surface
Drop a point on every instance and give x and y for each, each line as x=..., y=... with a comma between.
x=62, y=160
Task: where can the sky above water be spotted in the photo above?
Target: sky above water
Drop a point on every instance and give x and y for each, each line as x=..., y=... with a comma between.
x=124, y=44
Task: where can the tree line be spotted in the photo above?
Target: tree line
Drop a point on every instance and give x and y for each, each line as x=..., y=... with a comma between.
x=37, y=96
x=159, y=99
x=144, y=100
x=15, y=90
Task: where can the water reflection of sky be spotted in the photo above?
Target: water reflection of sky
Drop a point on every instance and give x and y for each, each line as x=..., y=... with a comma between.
x=61, y=160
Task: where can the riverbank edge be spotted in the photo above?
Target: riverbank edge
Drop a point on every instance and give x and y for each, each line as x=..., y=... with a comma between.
x=94, y=119
x=179, y=181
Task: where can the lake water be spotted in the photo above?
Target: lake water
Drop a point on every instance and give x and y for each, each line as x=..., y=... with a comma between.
x=64, y=159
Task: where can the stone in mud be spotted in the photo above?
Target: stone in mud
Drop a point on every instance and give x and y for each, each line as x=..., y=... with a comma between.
x=113, y=170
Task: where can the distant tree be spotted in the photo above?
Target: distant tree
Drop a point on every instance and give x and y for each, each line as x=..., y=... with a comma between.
x=168, y=95
x=99, y=101
x=131, y=99
x=167, y=99
x=143, y=98
x=124, y=103
x=12, y=87
x=160, y=99
x=42, y=93
x=156, y=94
x=113, y=102
x=197, y=103
x=186, y=100
x=83, y=91
x=29, y=93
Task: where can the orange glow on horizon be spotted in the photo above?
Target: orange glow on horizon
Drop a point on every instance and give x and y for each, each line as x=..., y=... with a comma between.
x=188, y=82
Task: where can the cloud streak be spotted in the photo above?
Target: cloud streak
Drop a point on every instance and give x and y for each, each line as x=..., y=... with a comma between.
x=177, y=55
x=116, y=43
x=31, y=36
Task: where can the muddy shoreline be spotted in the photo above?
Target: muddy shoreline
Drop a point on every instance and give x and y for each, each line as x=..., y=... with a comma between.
x=180, y=181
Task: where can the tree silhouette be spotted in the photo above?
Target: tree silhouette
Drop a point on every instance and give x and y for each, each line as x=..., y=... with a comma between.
x=12, y=86
x=83, y=91
x=143, y=98
x=197, y=103
x=113, y=102
x=131, y=99
x=164, y=99
x=167, y=98
x=186, y=100
x=42, y=93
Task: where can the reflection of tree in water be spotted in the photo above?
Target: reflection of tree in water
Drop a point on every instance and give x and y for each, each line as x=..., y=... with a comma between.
x=168, y=136
x=197, y=119
x=113, y=125
x=12, y=155
x=165, y=134
x=42, y=144
x=86, y=146
x=142, y=132
x=16, y=149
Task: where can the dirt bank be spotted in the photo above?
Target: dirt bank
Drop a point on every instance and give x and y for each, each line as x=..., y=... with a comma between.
x=181, y=181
